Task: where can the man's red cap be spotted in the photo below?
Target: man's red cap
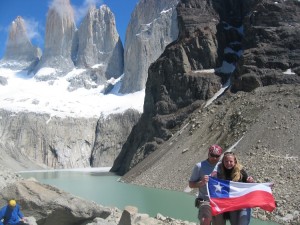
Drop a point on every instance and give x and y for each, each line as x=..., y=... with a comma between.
x=215, y=149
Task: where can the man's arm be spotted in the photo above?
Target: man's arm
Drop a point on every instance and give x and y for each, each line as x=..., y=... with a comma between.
x=198, y=184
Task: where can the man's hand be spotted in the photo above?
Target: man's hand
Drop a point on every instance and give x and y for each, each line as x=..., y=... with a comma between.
x=205, y=179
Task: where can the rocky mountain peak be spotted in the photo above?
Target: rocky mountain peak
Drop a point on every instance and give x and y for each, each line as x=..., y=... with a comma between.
x=60, y=30
x=98, y=42
x=153, y=25
x=19, y=47
x=18, y=31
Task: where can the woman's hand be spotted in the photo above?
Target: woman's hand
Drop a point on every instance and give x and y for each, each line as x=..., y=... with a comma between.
x=250, y=179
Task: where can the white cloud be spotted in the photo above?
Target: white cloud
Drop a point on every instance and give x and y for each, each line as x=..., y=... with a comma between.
x=81, y=11
x=61, y=7
x=34, y=30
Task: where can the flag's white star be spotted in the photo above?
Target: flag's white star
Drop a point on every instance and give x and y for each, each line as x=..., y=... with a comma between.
x=218, y=187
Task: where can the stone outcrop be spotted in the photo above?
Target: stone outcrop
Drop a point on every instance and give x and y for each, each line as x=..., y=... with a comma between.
x=19, y=52
x=49, y=205
x=60, y=31
x=271, y=46
x=99, y=43
x=153, y=25
x=54, y=142
x=174, y=87
x=111, y=133
x=33, y=141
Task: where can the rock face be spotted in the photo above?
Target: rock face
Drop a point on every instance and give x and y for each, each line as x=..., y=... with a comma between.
x=111, y=133
x=60, y=31
x=152, y=27
x=173, y=89
x=34, y=141
x=272, y=52
x=20, y=52
x=99, y=42
x=53, y=142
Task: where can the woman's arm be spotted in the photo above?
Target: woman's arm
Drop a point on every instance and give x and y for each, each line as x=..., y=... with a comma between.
x=246, y=178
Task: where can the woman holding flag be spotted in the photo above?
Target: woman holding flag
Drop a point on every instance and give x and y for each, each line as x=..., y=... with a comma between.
x=234, y=192
x=231, y=169
x=226, y=187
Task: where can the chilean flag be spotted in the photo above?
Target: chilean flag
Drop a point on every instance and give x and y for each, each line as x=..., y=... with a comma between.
x=225, y=195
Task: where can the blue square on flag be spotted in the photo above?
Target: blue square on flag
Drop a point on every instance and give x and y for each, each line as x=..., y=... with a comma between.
x=218, y=188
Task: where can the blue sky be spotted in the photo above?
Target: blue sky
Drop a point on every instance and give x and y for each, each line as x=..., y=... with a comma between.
x=35, y=12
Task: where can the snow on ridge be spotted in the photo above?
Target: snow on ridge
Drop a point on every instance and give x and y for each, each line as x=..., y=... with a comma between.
x=218, y=93
x=45, y=71
x=25, y=93
x=87, y=169
x=166, y=10
x=289, y=72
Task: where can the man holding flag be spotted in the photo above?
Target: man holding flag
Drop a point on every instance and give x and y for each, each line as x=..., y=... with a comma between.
x=199, y=179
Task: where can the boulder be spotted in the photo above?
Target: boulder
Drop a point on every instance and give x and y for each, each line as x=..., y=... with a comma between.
x=49, y=205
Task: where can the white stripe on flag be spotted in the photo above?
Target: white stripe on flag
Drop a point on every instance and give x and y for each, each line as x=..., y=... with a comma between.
x=238, y=189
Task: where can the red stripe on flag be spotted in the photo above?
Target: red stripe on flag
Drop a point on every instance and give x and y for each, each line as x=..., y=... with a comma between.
x=262, y=199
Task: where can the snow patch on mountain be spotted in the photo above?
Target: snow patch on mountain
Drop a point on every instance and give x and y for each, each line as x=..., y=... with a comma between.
x=24, y=93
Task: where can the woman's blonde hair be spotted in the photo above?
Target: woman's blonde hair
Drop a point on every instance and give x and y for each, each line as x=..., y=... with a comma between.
x=236, y=174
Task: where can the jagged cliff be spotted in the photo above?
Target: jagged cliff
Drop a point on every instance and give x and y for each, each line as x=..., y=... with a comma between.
x=99, y=43
x=31, y=141
x=153, y=25
x=60, y=31
x=19, y=52
x=110, y=135
x=96, y=45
